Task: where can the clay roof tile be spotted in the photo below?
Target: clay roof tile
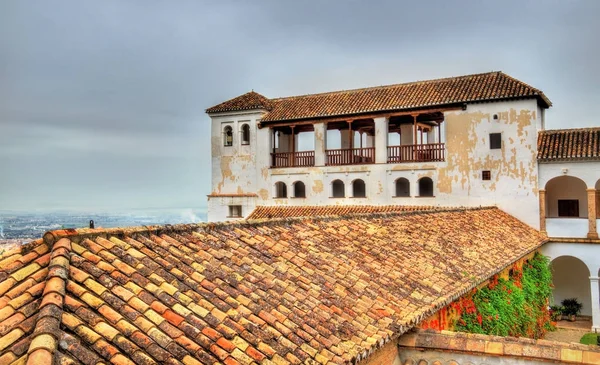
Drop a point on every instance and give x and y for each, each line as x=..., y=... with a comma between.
x=283, y=291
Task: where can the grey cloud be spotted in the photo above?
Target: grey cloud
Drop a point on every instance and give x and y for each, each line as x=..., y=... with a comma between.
x=102, y=103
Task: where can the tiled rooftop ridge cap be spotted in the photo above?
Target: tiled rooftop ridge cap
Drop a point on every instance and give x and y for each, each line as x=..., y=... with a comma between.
x=51, y=237
x=46, y=334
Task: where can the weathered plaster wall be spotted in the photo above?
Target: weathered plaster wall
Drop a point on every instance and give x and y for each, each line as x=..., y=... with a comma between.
x=234, y=168
x=457, y=181
x=218, y=207
x=513, y=185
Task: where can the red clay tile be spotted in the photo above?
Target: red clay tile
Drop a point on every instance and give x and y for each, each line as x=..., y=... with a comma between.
x=173, y=318
x=40, y=356
x=478, y=87
x=52, y=298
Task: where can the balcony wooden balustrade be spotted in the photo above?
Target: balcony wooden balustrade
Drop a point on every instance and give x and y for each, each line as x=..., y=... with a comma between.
x=350, y=156
x=293, y=159
x=416, y=153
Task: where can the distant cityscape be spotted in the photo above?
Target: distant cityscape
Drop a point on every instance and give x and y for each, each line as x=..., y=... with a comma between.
x=22, y=226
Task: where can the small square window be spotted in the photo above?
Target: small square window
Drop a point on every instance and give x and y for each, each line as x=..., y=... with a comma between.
x=235, y=211
x=568, y=208
x=486, y=175
x=495, y=141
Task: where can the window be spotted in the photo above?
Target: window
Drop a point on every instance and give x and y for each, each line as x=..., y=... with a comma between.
x=299, y=190
x=358, y=189
x=402, y=187
x=245, y=134
x=280, y=190
x=425, y=187
x=337, y=189
x=486, y=175
x=235, y=211
x=568, y=208
x=228, y=136
x=495, y=141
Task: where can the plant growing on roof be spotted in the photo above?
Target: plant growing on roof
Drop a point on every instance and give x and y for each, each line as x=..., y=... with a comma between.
x=517, y=306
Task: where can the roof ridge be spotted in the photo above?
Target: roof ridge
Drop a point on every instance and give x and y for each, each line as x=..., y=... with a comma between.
x=46, y=334
x=51, y=237
x=389, y=85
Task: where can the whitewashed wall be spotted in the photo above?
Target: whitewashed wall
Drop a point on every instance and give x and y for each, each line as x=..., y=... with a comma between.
x=457, y=181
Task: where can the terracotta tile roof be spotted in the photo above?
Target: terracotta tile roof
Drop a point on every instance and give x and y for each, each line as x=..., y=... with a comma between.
x=266, y=212
x=248, y=101
x=284, y=291
x=413, y=95
x=569, y=144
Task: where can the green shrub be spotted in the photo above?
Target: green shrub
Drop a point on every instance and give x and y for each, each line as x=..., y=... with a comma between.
x=590, y=339
x=514, y=307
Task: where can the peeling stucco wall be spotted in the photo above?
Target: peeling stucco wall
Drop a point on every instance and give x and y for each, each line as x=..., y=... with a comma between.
x=234, y=168
x=457, y=181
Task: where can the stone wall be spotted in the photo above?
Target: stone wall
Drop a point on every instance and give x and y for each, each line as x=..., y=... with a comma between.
x=444, y=347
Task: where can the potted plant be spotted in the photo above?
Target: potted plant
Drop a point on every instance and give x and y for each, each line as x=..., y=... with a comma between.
x=571, y=308
x=556, y=312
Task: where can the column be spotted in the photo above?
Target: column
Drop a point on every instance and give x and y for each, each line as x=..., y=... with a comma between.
x=292, y=155
x=592, y=232
x=542, y=193
x=415, y=142
x=595, y=304
x=320, y=143
x=381, y=139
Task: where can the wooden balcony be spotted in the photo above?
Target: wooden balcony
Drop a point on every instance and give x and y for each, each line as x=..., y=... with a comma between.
x=350, y=156
x=416, y=153
x=293, y=159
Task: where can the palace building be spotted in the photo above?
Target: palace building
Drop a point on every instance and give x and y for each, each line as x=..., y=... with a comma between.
x=467, y=141
x=461, y=141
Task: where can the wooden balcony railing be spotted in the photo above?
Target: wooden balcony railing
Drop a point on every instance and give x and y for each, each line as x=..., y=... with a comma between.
x=416, y=153
x=350, y=156
x=293, y=159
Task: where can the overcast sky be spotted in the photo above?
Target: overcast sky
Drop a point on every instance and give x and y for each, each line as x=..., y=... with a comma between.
x=102, y=102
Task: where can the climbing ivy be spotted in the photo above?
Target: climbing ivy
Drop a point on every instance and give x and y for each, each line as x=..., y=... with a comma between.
x=514, y=307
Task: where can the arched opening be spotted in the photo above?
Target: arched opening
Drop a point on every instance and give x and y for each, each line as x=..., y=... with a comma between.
x=227, y=136
x=280, y=190
x=245, y=134
x=402, y=187
x=425, y=186
x=570, y=277
x=338, y=189
x=358, y=189
x=566, y=196
x=299, y=190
